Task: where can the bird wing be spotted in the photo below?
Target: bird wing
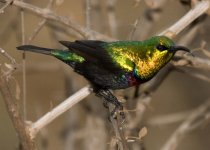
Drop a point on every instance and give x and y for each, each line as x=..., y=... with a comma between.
x=93, y=51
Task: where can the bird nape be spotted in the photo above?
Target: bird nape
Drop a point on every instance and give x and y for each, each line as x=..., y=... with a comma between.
x=114, y=65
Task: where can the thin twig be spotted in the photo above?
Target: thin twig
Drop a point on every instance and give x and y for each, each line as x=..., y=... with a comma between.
x=195, y=62
x=10, y=67
x=23, y=63
x=151, y=15
x=37, y=30
x=5, y=6
x=21, y=128
x=133, y=30
x=145, y=99
x=23, y=131
x=63, y=30
x=87, y=12
x=41, y=23
x=9, y=57
x=194, y=74
x=118, y=129
x=49, y=15
x=197, y=117
x=169, y=118
x=188, y=38
x=205, y=51
x=199, y=9
x=112, y=20
x=60, y=109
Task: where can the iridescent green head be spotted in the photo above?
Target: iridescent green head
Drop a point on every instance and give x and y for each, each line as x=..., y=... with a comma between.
x=154, y=53
x=163, y=43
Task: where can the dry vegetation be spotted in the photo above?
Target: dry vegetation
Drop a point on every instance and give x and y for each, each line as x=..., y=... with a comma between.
x=172, y=111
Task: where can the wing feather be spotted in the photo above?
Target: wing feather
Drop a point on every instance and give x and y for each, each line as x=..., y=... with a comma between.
x=93, y=51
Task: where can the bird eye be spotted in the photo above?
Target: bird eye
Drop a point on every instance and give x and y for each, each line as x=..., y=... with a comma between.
x=161, y=47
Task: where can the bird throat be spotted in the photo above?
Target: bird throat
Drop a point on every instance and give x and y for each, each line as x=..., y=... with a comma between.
x=147, y=68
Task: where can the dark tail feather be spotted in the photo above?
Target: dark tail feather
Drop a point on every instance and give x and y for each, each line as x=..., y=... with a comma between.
x=66, y=43
x=36, y=49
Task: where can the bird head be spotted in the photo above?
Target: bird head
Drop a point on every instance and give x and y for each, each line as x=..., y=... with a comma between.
x=161, y=49
x=158, y=51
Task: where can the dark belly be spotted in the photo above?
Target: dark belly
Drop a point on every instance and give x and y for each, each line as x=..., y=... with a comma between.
x=106, y=79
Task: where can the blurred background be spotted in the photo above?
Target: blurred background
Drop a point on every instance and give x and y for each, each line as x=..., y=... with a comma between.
x=49, y=81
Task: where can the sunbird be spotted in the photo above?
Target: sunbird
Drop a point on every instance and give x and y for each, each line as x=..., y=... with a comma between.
x=114, y=65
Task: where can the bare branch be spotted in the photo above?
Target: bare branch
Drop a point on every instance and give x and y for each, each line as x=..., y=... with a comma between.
x=60, y=109
x=169, y=118
x=146, y=96
x=151, y=15
x=22, y=17
x=197, y=116
x=46, y=13
x=88, y=8
x=5, y=6
x=41, y=23
x=37, y=30
x=118, y=129
x=133, y=30
x=9, y=57
x=21, y=128
x=112, y=20
x=195, y=62
x=10, y=68
x=194, y=74
x=199, y=9
x=18, y=122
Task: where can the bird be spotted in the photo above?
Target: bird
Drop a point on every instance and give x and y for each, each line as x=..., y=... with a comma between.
x=114, y=65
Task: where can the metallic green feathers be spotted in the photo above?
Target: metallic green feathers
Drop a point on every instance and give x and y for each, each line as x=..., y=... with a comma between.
x=114, y=65
x=67, y=56
x=141, y=57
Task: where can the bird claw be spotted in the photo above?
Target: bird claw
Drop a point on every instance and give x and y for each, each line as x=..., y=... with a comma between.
x=105, y=104
x=115, y=111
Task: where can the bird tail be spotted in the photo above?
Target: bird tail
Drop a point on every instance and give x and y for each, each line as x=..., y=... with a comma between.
x=66, y=56
x=36, y=49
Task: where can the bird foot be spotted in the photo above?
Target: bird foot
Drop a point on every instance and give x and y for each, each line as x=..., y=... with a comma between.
x=105, y=104
x=116, y=110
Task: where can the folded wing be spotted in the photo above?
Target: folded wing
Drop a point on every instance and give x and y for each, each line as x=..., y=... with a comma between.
x=93, y=51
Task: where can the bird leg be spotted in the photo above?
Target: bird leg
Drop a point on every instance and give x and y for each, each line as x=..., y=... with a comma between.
x=110, y=98
x=105, y=104
x=136, y=92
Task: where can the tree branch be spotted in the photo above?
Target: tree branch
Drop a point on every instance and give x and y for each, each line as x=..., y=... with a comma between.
x=21, y=128
x=26, y=140
x=198, y=117
x=199, y=9
x=59, y=110
x=5, y=6
x=49, y=15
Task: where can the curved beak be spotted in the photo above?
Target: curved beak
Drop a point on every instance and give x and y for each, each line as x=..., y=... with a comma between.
x=179, y=48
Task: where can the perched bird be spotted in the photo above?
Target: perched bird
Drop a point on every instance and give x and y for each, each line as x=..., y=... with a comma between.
x=114, y=65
